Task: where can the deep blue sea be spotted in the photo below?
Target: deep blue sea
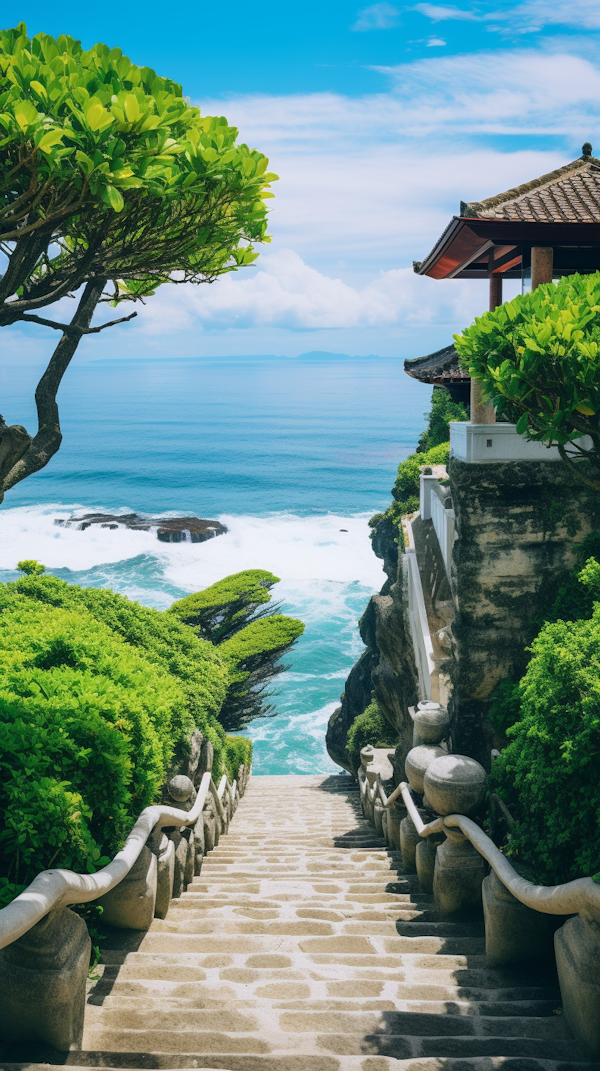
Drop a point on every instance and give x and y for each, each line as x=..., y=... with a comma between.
x=293, y=455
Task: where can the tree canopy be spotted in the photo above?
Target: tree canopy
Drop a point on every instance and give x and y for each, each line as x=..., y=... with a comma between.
x=538, y=359
x=111, y=184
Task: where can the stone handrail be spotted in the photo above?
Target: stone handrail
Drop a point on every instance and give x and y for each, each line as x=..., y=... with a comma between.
x=583, y=894
x=450, y=853
x=52, y=889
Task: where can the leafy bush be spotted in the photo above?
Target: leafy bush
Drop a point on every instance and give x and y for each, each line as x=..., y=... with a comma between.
x=160, y=637
x=31, y=567
x=537, y=357
x=549, y=771
x=227, y=606
x=85, y=735
x=443, y=411
x=406, y=489
x=253, y=655
x=238, y=752
x=370, y=727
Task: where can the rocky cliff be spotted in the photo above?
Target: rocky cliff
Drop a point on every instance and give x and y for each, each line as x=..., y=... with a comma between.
x=387, y=668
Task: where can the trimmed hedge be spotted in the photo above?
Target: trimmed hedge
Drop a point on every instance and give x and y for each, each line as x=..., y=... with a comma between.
x=159, y=637
x=97, y=696
x=370, y=727
x=85, y=736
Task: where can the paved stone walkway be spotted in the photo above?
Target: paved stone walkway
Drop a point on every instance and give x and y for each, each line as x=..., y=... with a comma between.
x=303, y=947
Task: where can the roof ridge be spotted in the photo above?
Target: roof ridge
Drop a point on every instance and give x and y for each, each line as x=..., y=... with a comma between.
x=478, y=208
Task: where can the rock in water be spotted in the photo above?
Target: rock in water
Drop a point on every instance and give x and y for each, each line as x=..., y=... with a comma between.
x=168, y=529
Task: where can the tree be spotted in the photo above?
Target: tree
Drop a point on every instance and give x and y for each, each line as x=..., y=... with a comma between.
x=252, y=636
x=538, y=359
x=110, y=185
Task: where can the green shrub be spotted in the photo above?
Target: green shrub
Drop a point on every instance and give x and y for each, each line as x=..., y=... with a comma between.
x=31, y=567
x=253, y=656
x=85, y=736
x=161, y=638
x=238, y=752
x=370, y=727
x=227, y=606
x=537, y=358
x=406, y=489
x=549, y=771
x=443, y=411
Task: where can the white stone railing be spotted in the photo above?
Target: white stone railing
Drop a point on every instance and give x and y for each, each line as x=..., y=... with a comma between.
x=417, y=619
x=451, y=854
x=36, y=933
x=433, y=507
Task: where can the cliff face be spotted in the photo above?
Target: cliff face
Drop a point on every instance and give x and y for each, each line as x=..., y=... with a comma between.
x=518, y=526
x=387, y=667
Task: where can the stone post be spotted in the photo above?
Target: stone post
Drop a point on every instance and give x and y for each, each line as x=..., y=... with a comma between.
x=42, y=983
x=513, y=932
x=577, y=947
x=455, y=784
x=164, y=850
x=542, y=257
x=131, y=904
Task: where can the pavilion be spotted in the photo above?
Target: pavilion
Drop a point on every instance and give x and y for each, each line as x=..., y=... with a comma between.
x=537, y=232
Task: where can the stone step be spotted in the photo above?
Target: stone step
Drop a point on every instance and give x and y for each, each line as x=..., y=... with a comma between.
x=121, y=1061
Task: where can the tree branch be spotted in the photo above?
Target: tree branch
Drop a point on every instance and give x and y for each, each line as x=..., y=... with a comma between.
x=70, y=328
x=49, y=436
x=576, y=470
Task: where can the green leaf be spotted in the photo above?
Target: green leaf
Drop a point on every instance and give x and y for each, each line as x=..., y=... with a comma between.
x=522, y=423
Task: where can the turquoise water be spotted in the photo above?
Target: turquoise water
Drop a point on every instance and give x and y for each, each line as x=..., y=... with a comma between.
x=286, y=452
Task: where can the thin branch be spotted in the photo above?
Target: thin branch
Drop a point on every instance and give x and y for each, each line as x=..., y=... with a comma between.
x=576, y=470
x=111, y=323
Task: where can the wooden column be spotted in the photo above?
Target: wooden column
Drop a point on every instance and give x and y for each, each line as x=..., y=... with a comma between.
x=541, y=264
x=483, y=412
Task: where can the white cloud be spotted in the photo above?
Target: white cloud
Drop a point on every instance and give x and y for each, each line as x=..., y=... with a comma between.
x=439, y=14
x=286, y=292
x=525, y=17
x=435, y=42
x=377, y=17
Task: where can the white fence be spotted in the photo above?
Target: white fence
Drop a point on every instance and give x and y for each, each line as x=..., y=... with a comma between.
x=433, y=507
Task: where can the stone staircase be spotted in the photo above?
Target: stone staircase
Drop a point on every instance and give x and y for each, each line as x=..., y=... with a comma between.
x=303, y=947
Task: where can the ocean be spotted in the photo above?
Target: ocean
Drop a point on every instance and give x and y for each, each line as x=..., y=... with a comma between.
x=293, y=455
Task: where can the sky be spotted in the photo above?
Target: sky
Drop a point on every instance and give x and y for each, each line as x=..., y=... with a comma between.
x=379, y=120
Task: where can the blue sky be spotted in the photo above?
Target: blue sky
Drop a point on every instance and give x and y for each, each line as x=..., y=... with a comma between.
x=379, y=119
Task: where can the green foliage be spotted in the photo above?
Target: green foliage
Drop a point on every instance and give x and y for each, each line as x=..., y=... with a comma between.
x=505, y=705
x=548, y=774
x=253, y=656
x=443, y=411
x=236, y=613
x=159, y=637
x=227, y=606
x=113, y=175
x=31, y=567
x=85, y=736
x=238, y=752
x=406, y=488
x=537, y=357
x=370, y=727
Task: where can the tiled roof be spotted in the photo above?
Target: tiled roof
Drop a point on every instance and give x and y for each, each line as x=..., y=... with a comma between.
x=569, y=195
x=442, y=365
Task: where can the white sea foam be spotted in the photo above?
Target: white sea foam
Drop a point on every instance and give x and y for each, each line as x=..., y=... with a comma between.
x=295, y=548
x=326, y=576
